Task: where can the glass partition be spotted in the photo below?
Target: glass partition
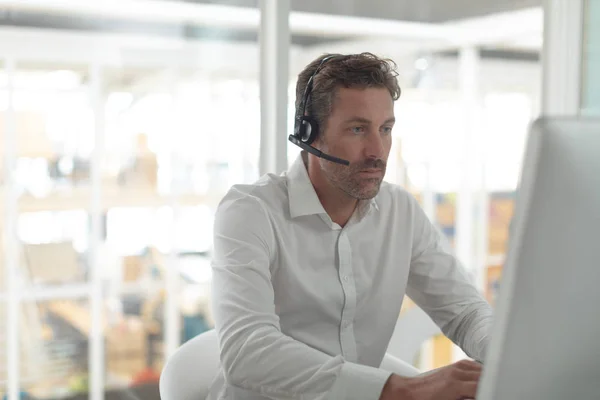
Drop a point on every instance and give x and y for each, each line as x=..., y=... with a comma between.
x=591, y=59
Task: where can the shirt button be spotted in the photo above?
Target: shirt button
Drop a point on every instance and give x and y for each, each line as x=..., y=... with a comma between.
x=347, y=324
x=346, y=278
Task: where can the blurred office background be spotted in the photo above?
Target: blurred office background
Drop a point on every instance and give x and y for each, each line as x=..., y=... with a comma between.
x=123, y=123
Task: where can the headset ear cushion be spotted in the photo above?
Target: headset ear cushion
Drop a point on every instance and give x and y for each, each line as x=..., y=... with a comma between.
x=306, y=130
x=309, y=130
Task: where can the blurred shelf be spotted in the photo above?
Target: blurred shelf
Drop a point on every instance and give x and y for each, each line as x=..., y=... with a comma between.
x=67, y=291
x=80, y=198
x=139, y=288
x=75, y=291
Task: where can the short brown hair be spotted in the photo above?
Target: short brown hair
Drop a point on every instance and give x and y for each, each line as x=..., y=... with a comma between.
x=348, y=71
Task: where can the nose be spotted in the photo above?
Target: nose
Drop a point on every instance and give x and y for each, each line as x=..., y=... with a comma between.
x=374, y=147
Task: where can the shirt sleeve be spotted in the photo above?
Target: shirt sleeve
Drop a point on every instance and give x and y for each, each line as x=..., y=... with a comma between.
x=255, y=355
x=439, y=284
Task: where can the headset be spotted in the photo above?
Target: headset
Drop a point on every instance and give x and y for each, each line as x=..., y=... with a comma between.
x=306, y=128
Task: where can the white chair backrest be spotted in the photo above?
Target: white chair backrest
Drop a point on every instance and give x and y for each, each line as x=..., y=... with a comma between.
x=189, y=372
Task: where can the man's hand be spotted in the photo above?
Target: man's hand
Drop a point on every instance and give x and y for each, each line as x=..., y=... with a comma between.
x=454, y=382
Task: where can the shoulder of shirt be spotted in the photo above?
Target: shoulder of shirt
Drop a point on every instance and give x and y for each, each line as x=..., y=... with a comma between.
x=266, y=194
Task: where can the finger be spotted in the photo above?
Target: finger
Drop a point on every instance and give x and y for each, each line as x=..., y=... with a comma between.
x=468, y=365
x=467, y=376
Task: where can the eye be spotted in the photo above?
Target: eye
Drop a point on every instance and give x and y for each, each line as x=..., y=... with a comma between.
x=386, y=130
x=357, y=130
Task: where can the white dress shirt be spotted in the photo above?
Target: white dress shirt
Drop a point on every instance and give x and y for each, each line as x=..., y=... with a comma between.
x=305, y=309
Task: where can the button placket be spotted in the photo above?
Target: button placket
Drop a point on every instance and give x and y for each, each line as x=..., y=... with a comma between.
x=347, y=339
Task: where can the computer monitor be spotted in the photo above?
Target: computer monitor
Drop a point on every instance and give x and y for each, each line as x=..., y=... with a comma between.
x=546, y=335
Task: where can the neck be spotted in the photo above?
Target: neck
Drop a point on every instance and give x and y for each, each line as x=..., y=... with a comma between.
x=338, y=205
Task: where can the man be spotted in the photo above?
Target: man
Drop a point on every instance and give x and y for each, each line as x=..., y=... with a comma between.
x=310, y=267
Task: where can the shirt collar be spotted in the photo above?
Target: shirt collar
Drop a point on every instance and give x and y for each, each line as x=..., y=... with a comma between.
x=303, y=199
x=302, y=196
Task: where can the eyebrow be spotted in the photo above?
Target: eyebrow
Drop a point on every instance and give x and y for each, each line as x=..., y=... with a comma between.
x=366, y=121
